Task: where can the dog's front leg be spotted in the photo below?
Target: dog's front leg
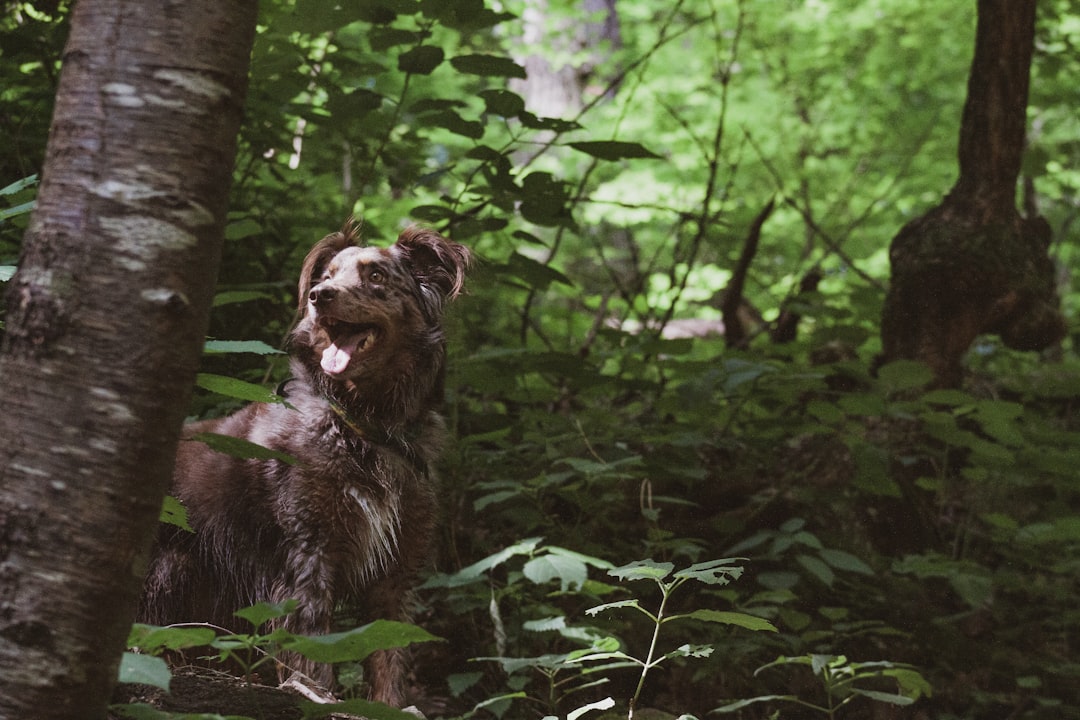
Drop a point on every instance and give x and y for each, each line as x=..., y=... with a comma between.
x=389, y=599
x=310, y=585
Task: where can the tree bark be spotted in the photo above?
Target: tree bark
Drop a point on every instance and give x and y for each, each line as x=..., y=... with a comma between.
x=106, y=317
x=972, y=264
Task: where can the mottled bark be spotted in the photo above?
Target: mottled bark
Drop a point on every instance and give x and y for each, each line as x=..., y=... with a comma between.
x=106, y=317
x=972, y=264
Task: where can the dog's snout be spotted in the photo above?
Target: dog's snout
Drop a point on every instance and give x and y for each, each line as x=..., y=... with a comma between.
x=321, y=294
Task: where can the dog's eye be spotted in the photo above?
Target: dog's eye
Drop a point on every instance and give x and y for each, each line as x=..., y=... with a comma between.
x=376, y=276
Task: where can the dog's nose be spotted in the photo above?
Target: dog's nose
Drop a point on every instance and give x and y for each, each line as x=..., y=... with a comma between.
x=321, y=294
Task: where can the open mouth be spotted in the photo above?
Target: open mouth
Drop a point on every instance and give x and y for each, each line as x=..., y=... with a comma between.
x=347, y=340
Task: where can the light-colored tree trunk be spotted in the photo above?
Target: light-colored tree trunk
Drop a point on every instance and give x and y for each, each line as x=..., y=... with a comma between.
x=106, y=317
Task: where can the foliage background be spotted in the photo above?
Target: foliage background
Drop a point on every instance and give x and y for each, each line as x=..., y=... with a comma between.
x=943, y=531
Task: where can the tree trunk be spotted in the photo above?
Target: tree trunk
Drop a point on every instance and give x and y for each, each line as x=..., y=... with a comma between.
x=558, y=91
x=973, y=265
x=106, y=317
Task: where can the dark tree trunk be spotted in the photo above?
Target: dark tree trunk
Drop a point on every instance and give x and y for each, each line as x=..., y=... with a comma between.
x=106, y=317
x=973, y=265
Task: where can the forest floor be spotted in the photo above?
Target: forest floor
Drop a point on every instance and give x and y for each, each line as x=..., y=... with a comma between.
x=201, y=690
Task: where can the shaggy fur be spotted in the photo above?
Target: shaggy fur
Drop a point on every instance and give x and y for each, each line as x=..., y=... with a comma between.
x=350, y=522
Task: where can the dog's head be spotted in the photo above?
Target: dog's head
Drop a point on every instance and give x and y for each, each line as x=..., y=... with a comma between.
x=374, y=314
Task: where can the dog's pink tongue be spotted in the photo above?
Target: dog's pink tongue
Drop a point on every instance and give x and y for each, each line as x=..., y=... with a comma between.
x=335, y=358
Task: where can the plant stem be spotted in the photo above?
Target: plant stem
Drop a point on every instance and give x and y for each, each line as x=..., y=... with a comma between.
x=665, y=592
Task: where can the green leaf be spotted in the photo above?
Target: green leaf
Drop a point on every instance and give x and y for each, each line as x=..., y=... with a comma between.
x=902, y=375
x=7, y=272
x=242, y=227
x=242, y=449
x=698, y=651
x=174, y=513
x=19, y=185
x=605, y=704
x=153, y=639
x=261, y=612
x=255, y=347
x=231, y=387
x=504, y=103
x=357, y=644
x=740, y=704
x=488, y=66
x=16, y=210
x=713, y=572
x=421, y=60
x=144, y=670
x=817, y=568
x=643, y=570
x=743, y=620
x=476, y=571
x=452, y=121
x=890, y=698
x=535, y=274
x=617, y=604
x=845, y=561
x=570, y=572
x=356, y=707
x=613, y=149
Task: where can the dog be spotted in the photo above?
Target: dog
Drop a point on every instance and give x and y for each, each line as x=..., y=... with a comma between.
x=350, y=521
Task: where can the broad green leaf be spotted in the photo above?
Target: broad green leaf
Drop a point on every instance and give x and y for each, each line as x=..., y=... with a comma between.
x=643, y=570
x=261, y=612
x=488, y=66
x=7, y=272
x=231, y=387
x=845, y=561
x=817, y=568
x=587, y=559
x=452, y=121
x=613, y=149
x=697, y=651
x=605, y=704
x=356, y=707
x=713, y=572
x=174, y=513
x=535, y=274
x=570, y=572
x=421, y=60
x=16, y=210
x=476, y=571
x=890, y=698
x=743, y=620
x=254, y=347
x=503, y=102
x=242, y=227
x=144, y=670
x=19, y=185
x=617, y=604
x=152, y=639
x=355, y=645
x=240, y=448
x=740, y=704
x=460, y=682
x=901, y=375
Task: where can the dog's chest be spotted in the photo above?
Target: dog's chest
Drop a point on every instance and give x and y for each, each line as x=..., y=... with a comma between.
x=372, y=522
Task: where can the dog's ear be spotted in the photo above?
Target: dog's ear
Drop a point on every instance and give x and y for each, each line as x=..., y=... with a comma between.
x=438, y=264
x=320, y=256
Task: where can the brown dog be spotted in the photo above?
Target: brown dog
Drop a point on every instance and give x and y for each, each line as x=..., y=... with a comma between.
x=351, y=520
